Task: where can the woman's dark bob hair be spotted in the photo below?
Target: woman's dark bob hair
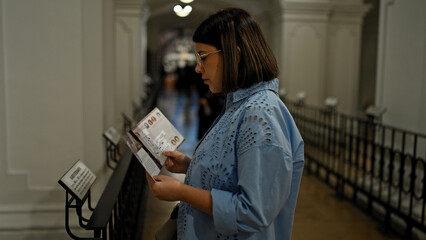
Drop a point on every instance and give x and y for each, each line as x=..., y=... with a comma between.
x=247, y=58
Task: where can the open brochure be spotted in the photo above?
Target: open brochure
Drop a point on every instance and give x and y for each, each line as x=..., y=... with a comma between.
x=150, y=137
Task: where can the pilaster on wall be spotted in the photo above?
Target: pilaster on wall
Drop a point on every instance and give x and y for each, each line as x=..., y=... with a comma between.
x=344, y=55
x=128, y=51
x=321, y=50
x=50, y=94
x=305, y=27
x=145, y=14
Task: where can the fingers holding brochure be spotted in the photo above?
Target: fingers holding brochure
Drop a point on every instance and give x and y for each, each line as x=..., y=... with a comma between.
x=176, y=161
x=164, y=187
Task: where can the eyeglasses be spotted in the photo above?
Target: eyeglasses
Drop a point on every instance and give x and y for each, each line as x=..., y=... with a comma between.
x=201, y=57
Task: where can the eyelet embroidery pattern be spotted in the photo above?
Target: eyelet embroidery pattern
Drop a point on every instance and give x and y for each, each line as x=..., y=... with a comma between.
x=217, y=176
x=221, y=237
x=255, y=128
x=229, y=144
x=212, y=160
x=208, y=180
x=184, y=209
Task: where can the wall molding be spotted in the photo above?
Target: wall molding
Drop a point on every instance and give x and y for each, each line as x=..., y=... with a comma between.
x=37, y=217
x=3, y=105
x=4, y=133
x=382, y=45
x=26, y=208
x=129, y=37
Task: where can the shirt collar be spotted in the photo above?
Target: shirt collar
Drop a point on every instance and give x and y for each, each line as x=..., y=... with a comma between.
x=240, y=94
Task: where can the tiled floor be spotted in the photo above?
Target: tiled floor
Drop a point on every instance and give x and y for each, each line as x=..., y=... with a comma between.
x=319, y=213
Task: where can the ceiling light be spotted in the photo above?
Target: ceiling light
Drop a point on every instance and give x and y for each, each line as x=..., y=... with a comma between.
x=182, y=12
x=187, y=1
x=187, y=9
x=177, y=8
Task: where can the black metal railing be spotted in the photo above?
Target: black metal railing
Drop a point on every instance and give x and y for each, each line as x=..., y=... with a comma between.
x=379, y=168
x=117, y=213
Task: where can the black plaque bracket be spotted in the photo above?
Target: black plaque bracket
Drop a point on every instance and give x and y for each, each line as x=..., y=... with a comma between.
x=112, y=152
x=73, y=202
x=77, y=179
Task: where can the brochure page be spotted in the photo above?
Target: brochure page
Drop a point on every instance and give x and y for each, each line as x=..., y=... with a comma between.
x=150, y=137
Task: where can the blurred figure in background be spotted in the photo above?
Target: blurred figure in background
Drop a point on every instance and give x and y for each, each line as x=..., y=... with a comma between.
x=210, y=107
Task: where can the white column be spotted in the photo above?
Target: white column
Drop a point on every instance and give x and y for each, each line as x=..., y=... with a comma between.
x=343, y=55
x=145, y=13
x=304, y=50
x=128, y=69
x=321, y=47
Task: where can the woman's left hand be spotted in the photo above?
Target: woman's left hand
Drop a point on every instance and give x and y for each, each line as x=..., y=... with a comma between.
x=164, y=187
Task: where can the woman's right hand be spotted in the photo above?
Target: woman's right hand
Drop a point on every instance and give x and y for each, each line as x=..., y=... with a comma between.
x=176, y=161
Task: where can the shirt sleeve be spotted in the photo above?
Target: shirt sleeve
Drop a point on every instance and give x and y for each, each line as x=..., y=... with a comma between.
x=265, y=175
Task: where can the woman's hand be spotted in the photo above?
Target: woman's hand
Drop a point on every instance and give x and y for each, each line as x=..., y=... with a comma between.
x=164, y=187
x=169, y=189
x=176, y=161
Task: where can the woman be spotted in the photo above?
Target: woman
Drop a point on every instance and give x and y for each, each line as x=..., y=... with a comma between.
x=243, y=180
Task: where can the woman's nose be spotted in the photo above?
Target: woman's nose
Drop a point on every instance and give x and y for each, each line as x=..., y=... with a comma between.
x=198, y=68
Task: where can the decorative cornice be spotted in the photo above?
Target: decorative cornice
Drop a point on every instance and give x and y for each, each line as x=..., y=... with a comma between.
x=350, y=13
x=29, y=208
x=302, y=7
x=24, y=217
x=324, y=11
x=305, y=11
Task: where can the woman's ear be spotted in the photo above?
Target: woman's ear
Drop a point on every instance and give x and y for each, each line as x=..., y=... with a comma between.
x=239, y=53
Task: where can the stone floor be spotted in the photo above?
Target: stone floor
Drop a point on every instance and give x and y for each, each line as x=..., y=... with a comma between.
x=321, y=215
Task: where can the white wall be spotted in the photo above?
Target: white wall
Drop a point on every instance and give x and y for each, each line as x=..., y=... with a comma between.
x=343, y=57
x=128, y=68
x=51, y=108
x=401, y=73
x=321, y=50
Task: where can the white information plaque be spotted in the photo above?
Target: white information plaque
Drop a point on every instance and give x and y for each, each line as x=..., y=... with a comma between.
x=78, y=180
x=112, y=135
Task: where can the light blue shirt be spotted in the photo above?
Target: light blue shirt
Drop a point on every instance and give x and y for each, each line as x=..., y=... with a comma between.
x=251, y=160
